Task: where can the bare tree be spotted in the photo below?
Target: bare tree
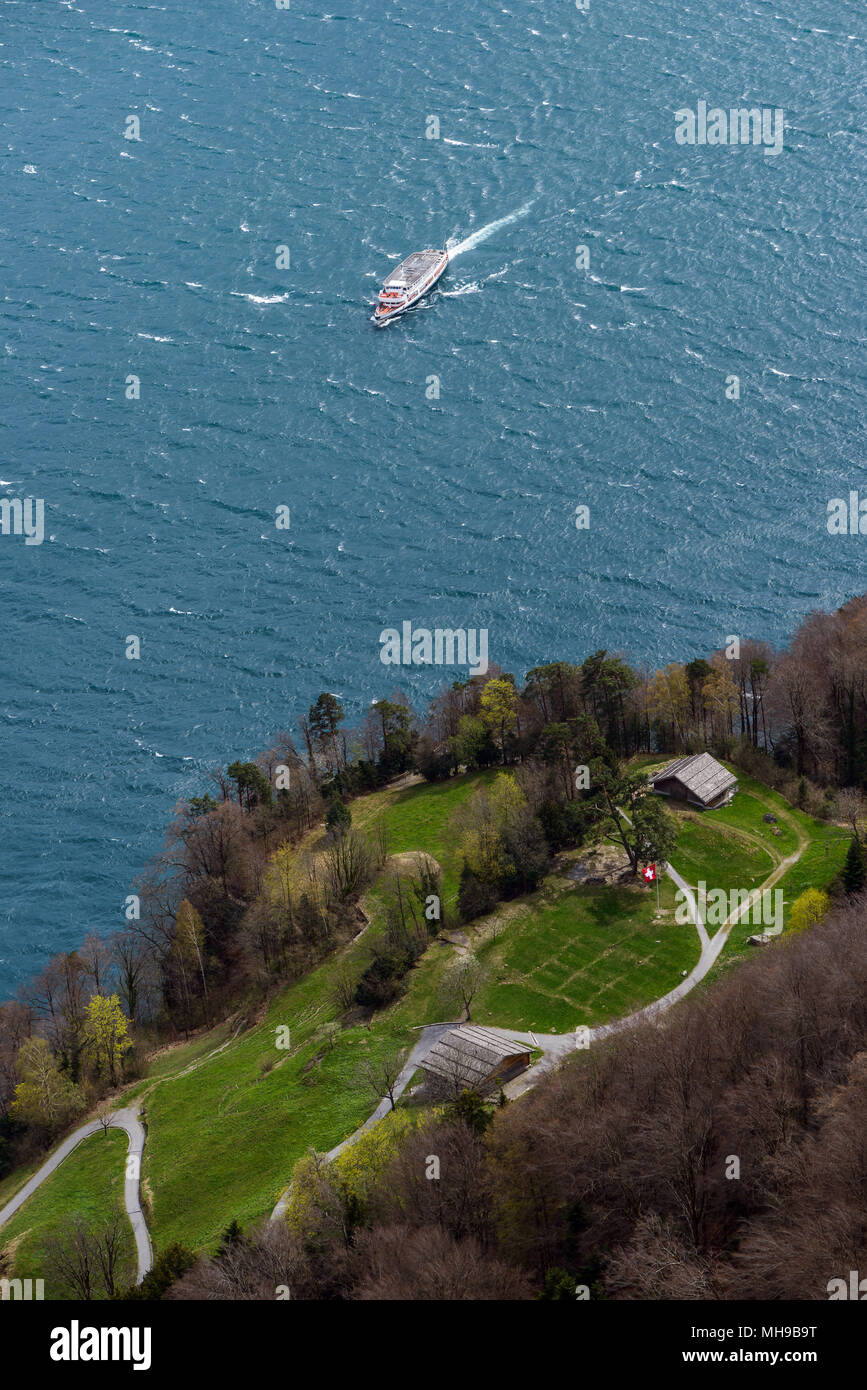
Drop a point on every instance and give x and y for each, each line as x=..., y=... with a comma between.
x=15, y=1029
x=345, y=983
x=348, y=863
x=96, y=961
x=850, y=807
x=379, y=841
x=89, y=1259
x=110, y=1252
x=462, y=981
x=133, y=964
x=657, y=1263
x=72, y=1255
x=428, y=1264
x=382, y=1074
x=104, y=1117
x=271, y=1264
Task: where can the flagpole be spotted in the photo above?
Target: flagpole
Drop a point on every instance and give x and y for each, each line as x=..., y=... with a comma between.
x=656, y=876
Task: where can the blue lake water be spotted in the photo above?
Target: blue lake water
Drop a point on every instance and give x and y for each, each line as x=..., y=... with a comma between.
x=260, y=387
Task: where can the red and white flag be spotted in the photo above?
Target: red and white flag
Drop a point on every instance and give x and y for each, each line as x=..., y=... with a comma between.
x=649, y=873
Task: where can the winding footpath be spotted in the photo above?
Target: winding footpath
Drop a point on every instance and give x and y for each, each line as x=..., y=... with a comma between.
x=556, y=1046
x=430, y=1034
x=553, y=1046
x=128, y=1121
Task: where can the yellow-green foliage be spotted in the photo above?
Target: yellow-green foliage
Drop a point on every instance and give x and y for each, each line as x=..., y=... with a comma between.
x=291, y=875
x=482, y=849
x=498, y=705
x=45, y=1095
x=808, y=909
x=362, y=1162
x=487, y=817
x=105, y=1032
x=313, y=1201
x=322, y=1191
x=506, y=800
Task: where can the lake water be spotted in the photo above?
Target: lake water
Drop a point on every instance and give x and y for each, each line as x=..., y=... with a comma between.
x=433, y=470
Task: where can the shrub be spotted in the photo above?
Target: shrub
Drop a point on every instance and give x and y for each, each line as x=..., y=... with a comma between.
x=854, y=868
x=474, y=897
x=338, y=817
x=168, y=1267
x=380, y=982
x=808, y=909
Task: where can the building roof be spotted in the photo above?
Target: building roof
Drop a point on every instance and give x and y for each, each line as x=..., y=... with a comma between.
x=469, y=1054
x=700, y=774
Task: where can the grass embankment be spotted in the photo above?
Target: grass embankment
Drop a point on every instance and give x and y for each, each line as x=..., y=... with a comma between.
x=731, y=847
x=89, y=1184
x=14, y=1181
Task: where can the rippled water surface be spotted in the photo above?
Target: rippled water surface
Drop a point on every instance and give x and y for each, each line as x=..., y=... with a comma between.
x=262, y=387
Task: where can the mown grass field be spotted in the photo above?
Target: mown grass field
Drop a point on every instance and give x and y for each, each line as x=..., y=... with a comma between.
x=583, y=954
x=710, y=852
x=89, y=1183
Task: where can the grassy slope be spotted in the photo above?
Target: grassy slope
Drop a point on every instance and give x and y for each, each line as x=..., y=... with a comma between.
x=823, y=853
x=420, y=818
x=223, y=1139
x=88, y=1183
x=14, y=1181
x=239, y=1122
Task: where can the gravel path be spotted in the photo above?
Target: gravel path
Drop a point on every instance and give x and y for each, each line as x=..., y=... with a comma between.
x=128, y=1121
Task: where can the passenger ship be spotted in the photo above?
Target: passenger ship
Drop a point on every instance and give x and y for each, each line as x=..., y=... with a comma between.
x=412, y=280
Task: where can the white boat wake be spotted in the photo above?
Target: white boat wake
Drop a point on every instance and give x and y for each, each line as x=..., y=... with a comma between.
x=473, y=288
x=484, y=232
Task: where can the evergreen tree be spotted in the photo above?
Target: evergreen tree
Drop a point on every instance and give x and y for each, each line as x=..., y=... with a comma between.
x=325, y=718
x=254, y=789
x=558, y=1286
x=854, y=870
x=169, y=1266
x=232, y=1235
x=474, y=897
x=471, y=1110
x=338, y=817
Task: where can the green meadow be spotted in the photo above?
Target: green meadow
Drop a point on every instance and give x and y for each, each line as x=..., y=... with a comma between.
x=583, y=954
x=89, y=1183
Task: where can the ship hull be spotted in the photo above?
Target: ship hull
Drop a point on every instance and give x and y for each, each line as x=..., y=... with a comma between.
x=429, y=277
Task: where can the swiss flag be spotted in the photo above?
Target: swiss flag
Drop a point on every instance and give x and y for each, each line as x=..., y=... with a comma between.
x=649, y=873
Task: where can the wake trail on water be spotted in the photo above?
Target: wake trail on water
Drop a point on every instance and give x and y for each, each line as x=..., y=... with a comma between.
x=484, y=232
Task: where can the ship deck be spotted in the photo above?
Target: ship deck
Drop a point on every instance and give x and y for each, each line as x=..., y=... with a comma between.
x=415, y=267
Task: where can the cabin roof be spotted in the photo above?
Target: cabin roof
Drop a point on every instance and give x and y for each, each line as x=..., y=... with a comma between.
x=470, y=1053
x=700, y=774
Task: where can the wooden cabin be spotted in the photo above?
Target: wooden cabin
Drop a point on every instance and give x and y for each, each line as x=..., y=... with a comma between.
x=469, y=1058
x=699, y=780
